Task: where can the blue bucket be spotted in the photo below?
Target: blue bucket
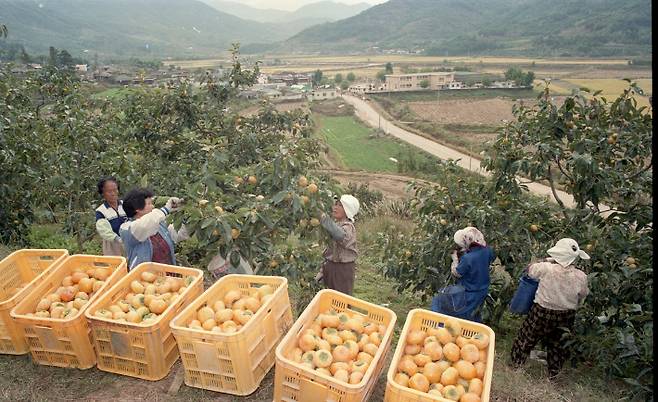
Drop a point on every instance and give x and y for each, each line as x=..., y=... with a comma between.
x=450, y=300
x=525, y=295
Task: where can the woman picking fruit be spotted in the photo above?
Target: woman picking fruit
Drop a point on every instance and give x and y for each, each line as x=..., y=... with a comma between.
x=470, y=264
x=145, y=235
x=340, y=256
x=562, y=289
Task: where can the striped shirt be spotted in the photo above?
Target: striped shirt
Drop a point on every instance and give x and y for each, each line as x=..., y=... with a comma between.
x=115, y=217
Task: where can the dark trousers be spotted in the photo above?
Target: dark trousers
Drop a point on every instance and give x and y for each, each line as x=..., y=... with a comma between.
x=544, y=325
x=339, y=276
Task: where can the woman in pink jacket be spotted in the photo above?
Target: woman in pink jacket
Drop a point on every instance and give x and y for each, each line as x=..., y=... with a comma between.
x=562, y=289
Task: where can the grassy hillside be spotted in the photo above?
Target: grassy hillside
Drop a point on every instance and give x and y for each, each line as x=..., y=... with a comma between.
x=530, y=27
x=123, y=28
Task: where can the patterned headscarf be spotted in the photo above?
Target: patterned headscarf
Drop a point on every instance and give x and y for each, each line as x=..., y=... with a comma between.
x=469, y=236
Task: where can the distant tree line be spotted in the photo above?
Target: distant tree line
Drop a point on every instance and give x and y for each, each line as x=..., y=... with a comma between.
x=14, y=52
x=519, y=77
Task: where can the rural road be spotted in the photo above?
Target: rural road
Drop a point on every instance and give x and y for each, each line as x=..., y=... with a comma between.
x=369, y=115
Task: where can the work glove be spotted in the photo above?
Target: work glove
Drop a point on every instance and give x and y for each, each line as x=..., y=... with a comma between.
x=173, y=203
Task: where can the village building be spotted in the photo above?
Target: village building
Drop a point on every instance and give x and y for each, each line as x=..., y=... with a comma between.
x=323, y=94
x=290, y=78
x=503, y=84
x=414, y=82
x=454, y=85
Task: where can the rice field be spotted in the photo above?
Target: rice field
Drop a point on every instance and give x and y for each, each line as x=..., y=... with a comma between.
x=611, y=87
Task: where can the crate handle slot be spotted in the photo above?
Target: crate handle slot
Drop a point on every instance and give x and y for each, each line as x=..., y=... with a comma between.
x=46, y=257
x=101, y=264
x=357, y=309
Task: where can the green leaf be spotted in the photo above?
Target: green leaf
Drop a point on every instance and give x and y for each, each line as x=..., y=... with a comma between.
x=207, y=222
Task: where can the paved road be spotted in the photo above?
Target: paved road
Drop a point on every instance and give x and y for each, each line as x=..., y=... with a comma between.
x=369, y=115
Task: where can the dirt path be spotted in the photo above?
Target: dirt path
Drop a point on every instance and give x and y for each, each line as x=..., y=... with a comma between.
x=366, y=113
x=392, y=186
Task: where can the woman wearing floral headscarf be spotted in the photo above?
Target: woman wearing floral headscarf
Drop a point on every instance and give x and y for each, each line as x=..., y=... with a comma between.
x=562, y=289
x=470, y=265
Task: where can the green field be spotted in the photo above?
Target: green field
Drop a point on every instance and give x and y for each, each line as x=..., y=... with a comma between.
x=354, y=146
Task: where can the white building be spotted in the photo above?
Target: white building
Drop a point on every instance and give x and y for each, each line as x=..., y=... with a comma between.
x=359, y=88
x=454, y=85
x=418, y=81
x=324, y=93
x=503, y=84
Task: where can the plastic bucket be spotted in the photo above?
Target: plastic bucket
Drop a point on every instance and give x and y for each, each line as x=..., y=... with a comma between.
x=450, y=300
x=525, y=295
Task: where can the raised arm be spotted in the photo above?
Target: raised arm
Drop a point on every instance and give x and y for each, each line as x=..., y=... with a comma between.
x=148, y=225
x=335, y=231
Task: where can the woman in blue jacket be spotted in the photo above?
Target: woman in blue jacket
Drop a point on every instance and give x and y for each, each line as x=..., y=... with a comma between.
x=470, y=265
x=145, y=235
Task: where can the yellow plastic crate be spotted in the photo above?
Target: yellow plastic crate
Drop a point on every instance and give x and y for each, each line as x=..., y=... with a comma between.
x=234, y=363
x=63, y=342
x=140, y=350
x=294, y=382
x=20, y=271
x=419, y=319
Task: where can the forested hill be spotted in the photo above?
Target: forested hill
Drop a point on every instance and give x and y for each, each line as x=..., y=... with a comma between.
x=514, y=27
x=142, y=28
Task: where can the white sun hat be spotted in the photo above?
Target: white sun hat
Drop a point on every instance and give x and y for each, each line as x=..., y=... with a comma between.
x=565, y=252
x=350, y=205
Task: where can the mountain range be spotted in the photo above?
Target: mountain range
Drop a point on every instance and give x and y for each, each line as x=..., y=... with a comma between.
x=314, y=13
x=204, y=28
x=151, y=28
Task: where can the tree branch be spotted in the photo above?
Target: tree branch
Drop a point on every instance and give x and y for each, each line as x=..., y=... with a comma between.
x=641, y=171
x=557, y=160
x=550, y=181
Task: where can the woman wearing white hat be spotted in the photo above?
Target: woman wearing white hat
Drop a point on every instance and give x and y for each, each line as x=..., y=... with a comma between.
x=340, y=256
x=562, y=289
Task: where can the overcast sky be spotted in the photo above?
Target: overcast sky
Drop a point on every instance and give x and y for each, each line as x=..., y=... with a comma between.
x=295, y=4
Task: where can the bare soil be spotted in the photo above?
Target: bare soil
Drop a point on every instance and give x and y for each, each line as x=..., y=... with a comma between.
x=392, y=186
x=465, y=111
